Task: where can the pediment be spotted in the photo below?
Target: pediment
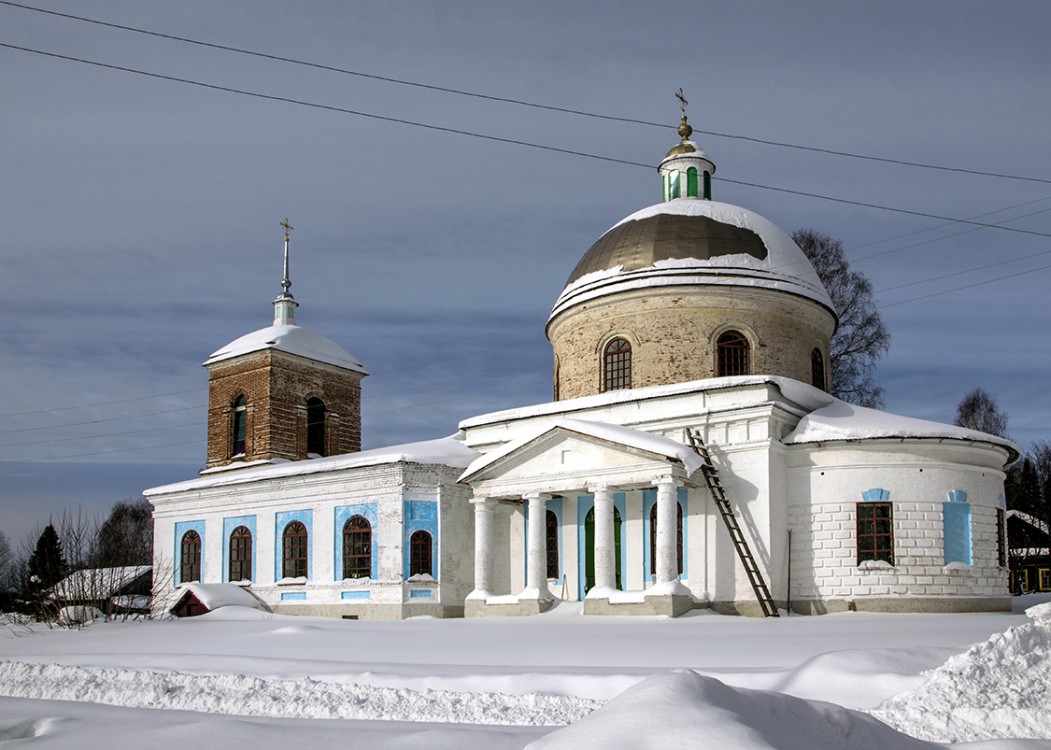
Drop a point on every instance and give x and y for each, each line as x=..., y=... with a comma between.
x=564, y=458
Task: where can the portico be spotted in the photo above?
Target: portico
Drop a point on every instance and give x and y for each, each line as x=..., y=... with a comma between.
x=521, y=495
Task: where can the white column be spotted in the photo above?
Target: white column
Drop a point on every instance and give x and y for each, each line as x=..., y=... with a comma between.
x=605, y=548
x=536, y=568
x=483, y=545
x=667, y=538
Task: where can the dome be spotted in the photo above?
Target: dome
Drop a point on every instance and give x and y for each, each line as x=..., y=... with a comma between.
x=688, y=242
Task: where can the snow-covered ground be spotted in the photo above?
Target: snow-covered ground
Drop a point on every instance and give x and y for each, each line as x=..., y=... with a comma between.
x=555, y=681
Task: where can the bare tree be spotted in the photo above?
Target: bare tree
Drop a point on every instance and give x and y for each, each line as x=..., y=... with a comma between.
x=126, y=536
x=8, y=576
x=979, y=411
x=861, y=338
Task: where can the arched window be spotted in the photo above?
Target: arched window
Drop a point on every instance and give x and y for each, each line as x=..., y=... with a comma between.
x=316, y=427
x=707, y=185
x=238, y=425
x=673, y=185
x=357, y=548
x=551, y=523
x=420, y=554
x=817, y=369
x=190, y=557
x=294, y=551
x=616, y=365
x=732, y=354
x=691, y=182
x=653, y=538
x=240, y=554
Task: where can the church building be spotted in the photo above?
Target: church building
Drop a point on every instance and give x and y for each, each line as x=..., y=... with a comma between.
x=692, y=457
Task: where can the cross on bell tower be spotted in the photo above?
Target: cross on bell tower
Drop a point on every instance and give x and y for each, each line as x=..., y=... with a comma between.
x=285, y=305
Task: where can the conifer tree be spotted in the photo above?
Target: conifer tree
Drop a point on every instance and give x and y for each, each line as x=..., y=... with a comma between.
x=46, y=566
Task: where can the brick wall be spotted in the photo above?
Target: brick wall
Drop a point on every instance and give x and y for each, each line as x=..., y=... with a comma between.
x=277, y=386
x=673, y=330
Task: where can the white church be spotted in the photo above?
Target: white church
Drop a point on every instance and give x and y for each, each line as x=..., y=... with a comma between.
x=691, y=457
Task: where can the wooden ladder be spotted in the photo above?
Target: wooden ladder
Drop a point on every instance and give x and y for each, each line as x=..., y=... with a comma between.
x=711, y=476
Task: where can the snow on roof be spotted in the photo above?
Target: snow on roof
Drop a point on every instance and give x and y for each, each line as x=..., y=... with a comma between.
x=217, y=595
x=447, y=451
x=292, y=340
x=786, y=268
x=806, y=396
x=1031, y=520
x=94, y=583
x=603, y=431
x=842, y=421
x=830, y=419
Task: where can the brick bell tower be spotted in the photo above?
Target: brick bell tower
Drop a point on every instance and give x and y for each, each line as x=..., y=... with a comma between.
x=282, y=393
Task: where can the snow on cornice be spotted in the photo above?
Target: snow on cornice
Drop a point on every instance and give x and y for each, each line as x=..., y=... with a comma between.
x=806, y=396
x=840, y=421
x=290, y=339
x=785, y=269
x=447, y=451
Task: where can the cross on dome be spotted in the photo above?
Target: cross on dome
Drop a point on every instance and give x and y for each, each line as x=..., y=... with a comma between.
x=686, y=171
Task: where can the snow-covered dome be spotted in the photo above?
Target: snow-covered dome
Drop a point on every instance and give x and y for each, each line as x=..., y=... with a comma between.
x=692, y=241
x=688, y=289
x=291, y=339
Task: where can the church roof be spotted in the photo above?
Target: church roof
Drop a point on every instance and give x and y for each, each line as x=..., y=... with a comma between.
x=291, y=339
x=447, y=451
x=840, y=421
x=692, y=242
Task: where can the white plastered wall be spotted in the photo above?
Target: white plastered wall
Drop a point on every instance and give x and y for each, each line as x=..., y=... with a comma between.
x=825, y=482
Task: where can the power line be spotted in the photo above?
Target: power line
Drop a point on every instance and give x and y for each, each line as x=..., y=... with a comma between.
x=97, y=453
x=98, y=421
x=98, y=403
x=500, y=139
x=962, y=288
x=947, y=237
x=906, y=211
x=326, y=107
x=521, y=102
x=965, y=271
x=938, y=226
x=122, y=433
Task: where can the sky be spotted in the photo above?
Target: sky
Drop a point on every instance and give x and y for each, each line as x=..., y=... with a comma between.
x=139, y=215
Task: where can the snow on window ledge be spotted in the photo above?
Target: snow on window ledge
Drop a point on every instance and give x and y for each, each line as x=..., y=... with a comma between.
x=298, y=580
x=956, y=565
x=362, y=581
x=421, y=578
x=874, y=565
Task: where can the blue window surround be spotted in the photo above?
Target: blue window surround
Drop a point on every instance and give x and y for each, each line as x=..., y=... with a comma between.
x=584, y=504
x=875, y=495
x=229, y=524
x=355, y=594
x=555, y=506
x=368, y=511
x=956, y=528
x=649, y=499
x=420, y=515
x=294, y=596
x=281, y=520
x=181, y=527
